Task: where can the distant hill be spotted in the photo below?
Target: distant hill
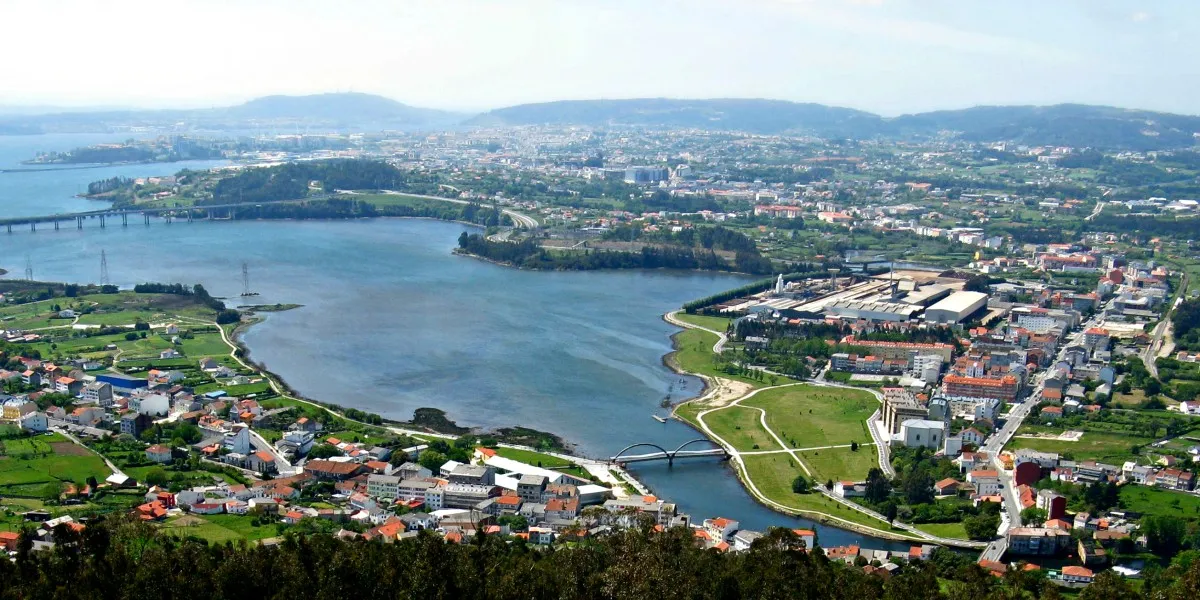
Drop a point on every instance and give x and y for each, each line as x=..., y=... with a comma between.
x=1063, y=124
x=751, y=115
x=345, y=108
x=349, y=111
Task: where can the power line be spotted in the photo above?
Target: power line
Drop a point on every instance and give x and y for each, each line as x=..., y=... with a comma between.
x=103, y=268
x=28, y=268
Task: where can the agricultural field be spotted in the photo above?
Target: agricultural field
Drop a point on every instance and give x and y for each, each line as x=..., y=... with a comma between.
x=28, y=464
x=218, y=528
x=1154, y=501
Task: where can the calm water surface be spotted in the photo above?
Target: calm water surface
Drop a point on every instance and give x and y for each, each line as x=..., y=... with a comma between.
x=392, y=322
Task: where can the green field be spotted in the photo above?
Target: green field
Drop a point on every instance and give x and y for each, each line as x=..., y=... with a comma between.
x=810, y=416
x=713, y=323
x=946, y=530
x=545, y=461
x=841, y=464
x=693, y=353
x=1155, y=501
x=218, y=528
x=773, y=474
x=32, y=462
x=1105, y=447
x=742, y=428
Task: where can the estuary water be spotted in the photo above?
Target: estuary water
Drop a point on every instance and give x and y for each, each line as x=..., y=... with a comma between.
x=392, y=321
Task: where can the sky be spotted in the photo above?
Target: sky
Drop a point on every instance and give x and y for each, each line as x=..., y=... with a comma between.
x=886, y=56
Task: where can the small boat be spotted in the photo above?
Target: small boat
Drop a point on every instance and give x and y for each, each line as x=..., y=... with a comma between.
x=659, y=419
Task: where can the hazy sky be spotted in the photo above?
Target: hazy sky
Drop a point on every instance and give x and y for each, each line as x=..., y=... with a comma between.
x=888, y=56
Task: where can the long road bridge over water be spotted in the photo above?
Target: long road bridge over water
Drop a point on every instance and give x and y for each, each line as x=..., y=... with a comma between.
x=670, y=455
x=167, y=213
x=210, y=211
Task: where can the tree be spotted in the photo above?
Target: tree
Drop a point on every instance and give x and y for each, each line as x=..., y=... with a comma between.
x=1107, y=586
x=981, y=527
x=878, y=486
x=52, y=490
x=892, y=510
x=228, y=316
x=801, y=485
x=324, y=451
x=432, y=460
x=157, y=476
x=514, y=522
x=854, y=446
x=1033, y=514
x=1164, y=534
x=918, y=486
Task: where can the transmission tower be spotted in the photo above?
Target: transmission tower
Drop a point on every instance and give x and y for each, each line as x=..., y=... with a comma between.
x=245, y=279
x=103, y=268
x=28, y=268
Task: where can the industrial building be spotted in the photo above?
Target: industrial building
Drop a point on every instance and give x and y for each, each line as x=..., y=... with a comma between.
x=874, y=311
x=956, y=307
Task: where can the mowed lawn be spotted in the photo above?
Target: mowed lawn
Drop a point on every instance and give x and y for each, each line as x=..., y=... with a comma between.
x=1100, y=446
x=545, y=461
x=742, y=428
x=219, y=528
x=1155, y=501
x=841, y=464
x=945, y=530
x=693, y=353
x=713, y=323
x=807, y=416
x=772, y=474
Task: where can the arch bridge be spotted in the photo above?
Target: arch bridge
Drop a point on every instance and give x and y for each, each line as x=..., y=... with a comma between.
x=670, y=455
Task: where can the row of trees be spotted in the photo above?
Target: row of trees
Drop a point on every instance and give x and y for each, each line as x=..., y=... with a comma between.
x=528, y=254
x=114, y=558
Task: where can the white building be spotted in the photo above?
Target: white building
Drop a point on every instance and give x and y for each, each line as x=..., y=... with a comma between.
x=956, y=307
x=155, y=405
x=916, y=433
x=34, y=421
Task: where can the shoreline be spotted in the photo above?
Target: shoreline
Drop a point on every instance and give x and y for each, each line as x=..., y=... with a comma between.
x=818, y=517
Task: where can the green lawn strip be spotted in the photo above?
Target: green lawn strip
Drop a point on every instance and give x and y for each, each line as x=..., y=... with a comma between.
x=1111, y=448
x=813, y=416
x=545, y=461
x=713, y=323
x=945, y=530
x=840, y=464
x=742, y=428
x=772, y=474
x=693, y=353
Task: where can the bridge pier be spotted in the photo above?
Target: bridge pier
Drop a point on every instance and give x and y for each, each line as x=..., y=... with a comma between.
x=56, y=224
x=78, y=222
x=32, y=226
x=189, y=216
x=124, y=219
x=101, y=221
x=146, y=216
x=10, y=228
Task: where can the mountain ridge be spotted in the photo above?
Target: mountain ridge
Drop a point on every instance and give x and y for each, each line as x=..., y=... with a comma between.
x=1078, y=125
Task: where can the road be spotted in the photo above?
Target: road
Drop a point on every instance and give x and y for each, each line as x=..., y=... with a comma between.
x=1096, y=211
x=1016, y=416
x=520, y=220
x=1162, y=330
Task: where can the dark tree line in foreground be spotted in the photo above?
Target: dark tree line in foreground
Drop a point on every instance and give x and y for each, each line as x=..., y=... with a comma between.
x=129, y=559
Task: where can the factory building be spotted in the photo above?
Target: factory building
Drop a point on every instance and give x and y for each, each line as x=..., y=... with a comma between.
x=956, y=307
x=873, y=311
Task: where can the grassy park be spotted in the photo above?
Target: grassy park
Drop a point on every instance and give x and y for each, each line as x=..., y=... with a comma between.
x=772, y=474
x=807, y=416
x=742, y=428
x=840, y=463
